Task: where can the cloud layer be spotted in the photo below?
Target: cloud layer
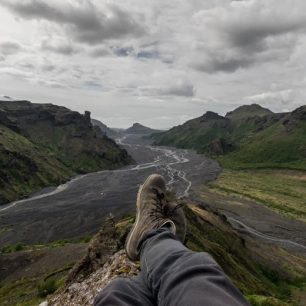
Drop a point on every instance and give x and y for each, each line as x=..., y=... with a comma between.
x=142, y=60
x=85, y=21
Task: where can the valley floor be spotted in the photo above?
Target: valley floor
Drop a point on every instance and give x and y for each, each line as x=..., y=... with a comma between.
x=267, y=204
x=283, y=191
x=266, y=208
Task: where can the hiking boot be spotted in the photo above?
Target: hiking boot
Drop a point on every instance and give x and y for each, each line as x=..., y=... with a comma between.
x=154, y=210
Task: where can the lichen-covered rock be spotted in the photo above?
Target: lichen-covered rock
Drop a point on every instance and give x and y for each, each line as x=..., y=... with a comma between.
x=104, y=244
x=105, y=260
x=84, y=293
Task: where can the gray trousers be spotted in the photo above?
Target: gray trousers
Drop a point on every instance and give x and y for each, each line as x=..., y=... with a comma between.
x=172, y=275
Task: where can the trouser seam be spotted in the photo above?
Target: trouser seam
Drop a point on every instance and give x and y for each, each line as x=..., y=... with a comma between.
x=149, y=272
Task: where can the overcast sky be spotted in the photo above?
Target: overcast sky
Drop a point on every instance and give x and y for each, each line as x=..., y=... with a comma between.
x=156, y=62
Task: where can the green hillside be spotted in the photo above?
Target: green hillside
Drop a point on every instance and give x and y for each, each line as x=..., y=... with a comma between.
x=198, y=133
x=275, y=146
x=45, y=144
x=248, y=137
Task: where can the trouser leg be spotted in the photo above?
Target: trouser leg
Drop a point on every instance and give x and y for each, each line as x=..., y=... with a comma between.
x=124, y=292
x=177, y=276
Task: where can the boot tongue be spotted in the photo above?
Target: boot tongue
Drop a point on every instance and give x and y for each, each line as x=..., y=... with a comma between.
x=158, y=191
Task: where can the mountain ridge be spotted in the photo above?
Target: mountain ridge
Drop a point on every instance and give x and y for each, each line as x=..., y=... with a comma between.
x=244, y=111
x=45, y=144
x=249, y=136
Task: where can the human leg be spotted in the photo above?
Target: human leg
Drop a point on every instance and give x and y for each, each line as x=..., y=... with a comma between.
x=177, y=276
x=125, y=292
x=174, y=274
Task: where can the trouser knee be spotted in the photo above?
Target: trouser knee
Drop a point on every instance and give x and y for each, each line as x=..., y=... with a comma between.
x=118, y=284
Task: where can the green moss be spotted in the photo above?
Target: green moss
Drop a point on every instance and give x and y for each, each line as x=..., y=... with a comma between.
x=46, y=287
x=259, y=300
x=54, y=244
x=32, y=291
x=22, y=293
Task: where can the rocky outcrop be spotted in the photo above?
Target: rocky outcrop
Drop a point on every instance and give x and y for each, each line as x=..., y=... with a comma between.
x=291, y=120
x=84, y=293
x=105, y=243
x=104, y=261
x=299, y=113
x=4, y=120
x=219, y=146
x=208, y=116
x=243, y=259
x=105, y=129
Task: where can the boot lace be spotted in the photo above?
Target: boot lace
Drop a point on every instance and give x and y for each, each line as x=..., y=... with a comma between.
x=162, y=209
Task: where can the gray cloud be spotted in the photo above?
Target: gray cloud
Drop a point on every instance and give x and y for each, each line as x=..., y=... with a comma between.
x=9, y=47
x=246, y=33
x=181, y=88
x=86, y=23
x=149, y=51
x=60, y=47
x=27, y=66
x=48, y=67
x=222, y=61
x=251, y=34
x=99, y=52
x=92, y=84
x=269, y=98
x=194, y=56
x=147, y=54
x=123, y=51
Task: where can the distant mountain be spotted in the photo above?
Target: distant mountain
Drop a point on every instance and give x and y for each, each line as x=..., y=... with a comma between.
x=45, y=144
x=6, y=98
x=197, y=133
x=247, y=111
x=105, y=129
x=138, y=128
x=249, y=136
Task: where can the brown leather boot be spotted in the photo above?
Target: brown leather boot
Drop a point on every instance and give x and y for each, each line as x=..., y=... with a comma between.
x=154, y=210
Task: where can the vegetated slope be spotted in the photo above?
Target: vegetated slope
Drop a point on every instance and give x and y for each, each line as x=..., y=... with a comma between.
x=105, y=129
x=250, y=136
x=138, y=128
x=280, y=144
x=45, y=144
x=199, y=133
x=263, y=272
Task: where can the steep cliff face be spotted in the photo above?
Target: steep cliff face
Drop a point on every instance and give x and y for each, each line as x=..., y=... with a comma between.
x=45, y=144
x=105, y=129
